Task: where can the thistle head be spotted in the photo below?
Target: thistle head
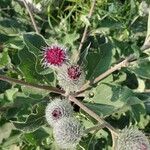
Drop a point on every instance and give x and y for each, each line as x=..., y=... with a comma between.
x=132, y=139
x=54, y=56
x=68, y=132
x=71, y=77
x=58, y=109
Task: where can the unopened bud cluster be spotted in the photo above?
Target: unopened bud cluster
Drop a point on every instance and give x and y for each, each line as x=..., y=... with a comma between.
x=67, y=129
x=70, y=76
x=132, y=139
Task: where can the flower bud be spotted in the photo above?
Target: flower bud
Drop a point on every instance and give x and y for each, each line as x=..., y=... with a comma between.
x=58, y=109
x=68, y=132
x=132, y=139
x=71, y=77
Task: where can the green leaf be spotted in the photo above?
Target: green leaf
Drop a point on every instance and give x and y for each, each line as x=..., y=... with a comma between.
x=95, y=141
x=110, y=95
x=137, y=111
x=15, y=42
x=107, y=99
x=27, y=66
x=85, y=20
x=11, y=26
x=36, y=137
x=3, y=38
x=22, y=105
x=5, y=131
x=35, y=44
x=142, y=68
x=147, y=105
x=10, y=141
x=101, y=109
x=106, y=25
x=70, y=39
x=136, y=107
x=34, y=92
x=33, y=122
x=99, y=60
x=4, y=59
x=10, y=93
x=4, y=86
x=133, y=101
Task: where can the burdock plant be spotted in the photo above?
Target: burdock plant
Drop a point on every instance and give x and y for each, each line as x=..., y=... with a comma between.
x=103, y=75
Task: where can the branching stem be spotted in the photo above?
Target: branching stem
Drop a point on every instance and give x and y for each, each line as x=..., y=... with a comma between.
x=20, y=82
x=85, y=30
x=118, y=66
x=93, y=114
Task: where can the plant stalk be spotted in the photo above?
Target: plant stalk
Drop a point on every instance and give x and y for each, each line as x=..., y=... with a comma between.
x=31, y=16
x=20, y=82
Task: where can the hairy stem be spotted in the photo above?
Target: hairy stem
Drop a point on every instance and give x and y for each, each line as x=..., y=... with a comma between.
x=85, y=30
x=118, y=66
x=93, y=114
x=31, y=16
x=20, y=82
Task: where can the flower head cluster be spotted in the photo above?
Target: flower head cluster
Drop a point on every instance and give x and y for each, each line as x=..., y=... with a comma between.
x=67, y=129
x=59, y=113
x=68, y=132
x=132, y=139
x=54, y=56
x=71, y=77
x=58, y=109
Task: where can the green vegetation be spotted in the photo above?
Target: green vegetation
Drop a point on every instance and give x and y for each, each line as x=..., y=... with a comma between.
x=114, y=55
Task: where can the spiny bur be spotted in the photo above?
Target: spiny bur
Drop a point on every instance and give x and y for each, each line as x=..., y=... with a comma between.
x=58, y=109
x=71, y=78
x=132, y=139
x=68, y=132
